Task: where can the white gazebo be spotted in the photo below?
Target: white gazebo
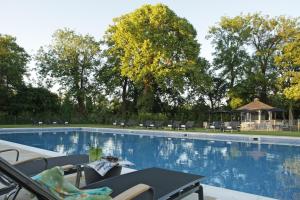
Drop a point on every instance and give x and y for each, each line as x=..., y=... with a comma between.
x=257, y=115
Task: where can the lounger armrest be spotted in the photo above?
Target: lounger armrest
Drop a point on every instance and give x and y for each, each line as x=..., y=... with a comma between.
x=134, y=192
x=68, y=167
x=16, y=150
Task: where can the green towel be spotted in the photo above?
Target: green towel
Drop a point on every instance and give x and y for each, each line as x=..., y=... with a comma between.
x=54, y=180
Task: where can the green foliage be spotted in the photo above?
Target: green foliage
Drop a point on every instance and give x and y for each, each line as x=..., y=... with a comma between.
x=142, y=116
x=289, y=64
x=236, y=102
x=154, y=48
x=229, y=37
x=245, y=48
x=13, y=60
x=71, y=61
x=37, y=101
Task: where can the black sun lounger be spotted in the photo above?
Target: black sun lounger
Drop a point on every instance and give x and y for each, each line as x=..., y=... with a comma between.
x=137, y=185
x=35, y=166
x=42, y=193
x=167, y=184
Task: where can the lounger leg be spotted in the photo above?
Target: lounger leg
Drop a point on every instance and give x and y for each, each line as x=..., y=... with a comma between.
x=200, y=193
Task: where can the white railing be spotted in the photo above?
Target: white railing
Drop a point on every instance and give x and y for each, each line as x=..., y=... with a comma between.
x=271, y=125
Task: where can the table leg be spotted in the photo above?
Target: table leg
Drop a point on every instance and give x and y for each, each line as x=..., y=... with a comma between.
x=78, y=176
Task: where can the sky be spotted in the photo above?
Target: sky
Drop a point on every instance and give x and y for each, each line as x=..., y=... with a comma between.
x=33, y=22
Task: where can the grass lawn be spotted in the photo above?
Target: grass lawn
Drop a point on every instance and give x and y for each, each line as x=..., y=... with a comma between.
x=271, y=133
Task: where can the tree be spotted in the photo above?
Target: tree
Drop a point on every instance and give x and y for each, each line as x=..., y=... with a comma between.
x=13, y=60
x=265, y=38
x=71, y=61
x=35, y=101
x=245, y=47
x=229, y=38
x=155, y=47
x=288, y=61
x=109, y=78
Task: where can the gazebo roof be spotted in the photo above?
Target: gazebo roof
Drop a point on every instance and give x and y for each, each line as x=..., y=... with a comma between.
x=256, y=105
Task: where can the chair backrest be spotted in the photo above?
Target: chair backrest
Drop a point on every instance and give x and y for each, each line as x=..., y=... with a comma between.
x=33, y=166
x=26, y=182
x=189, y=124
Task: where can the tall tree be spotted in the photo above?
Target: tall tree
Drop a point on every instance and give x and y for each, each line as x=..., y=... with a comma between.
x=110, y=79
x=264, y=40
x=13, y=60
x=70, y=61
x=248, y=43
x=288, y=62
x=155, y=48
x=229, y=39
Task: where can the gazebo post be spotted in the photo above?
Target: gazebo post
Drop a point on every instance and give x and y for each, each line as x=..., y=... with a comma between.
x=270, y=115
x=259, y=116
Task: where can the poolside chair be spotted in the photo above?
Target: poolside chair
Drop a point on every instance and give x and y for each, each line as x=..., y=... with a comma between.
x=170, y=124
x=187, y=125
x=149, y=124
x=42, y=193
x=131, y=122
x=176, y=125
x=137, y=185
x=115, y=123
x=71, y=164
x=158, y=124
x=228, y=126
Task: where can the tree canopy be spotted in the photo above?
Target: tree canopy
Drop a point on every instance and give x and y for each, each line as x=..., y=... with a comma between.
x=13, y=61
x=71, y=61
x=154, y=47
x=148, y=66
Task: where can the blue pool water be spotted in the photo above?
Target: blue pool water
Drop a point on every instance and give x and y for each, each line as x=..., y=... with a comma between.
x=262, y=169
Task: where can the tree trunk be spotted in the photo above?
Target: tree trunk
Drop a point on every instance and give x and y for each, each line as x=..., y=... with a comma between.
x=263, y=94
x=124, y=96
x=81, y=105
x=81, y=94
x=291, y=116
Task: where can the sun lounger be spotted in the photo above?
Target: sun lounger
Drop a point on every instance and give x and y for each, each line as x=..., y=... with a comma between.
x=71, y=164
x=176, y=125
x=187, y=125
x=165, y=183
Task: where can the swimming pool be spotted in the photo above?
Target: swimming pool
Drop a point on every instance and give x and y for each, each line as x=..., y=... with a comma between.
x=262, y=169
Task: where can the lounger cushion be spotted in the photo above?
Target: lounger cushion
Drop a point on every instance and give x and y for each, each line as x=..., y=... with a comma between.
x=54, y=180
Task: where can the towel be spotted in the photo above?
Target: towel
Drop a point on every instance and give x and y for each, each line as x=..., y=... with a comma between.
x=53, y=180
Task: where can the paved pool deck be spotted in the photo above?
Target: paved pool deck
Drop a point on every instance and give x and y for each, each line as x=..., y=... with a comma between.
x=262, y=139
x=210, y=192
